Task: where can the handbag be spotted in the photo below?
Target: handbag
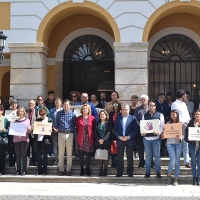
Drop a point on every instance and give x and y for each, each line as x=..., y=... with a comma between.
x=101, y=154
x=3, y=140
x=114, y=147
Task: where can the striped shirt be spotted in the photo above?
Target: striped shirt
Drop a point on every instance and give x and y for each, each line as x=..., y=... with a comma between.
x=65, y=122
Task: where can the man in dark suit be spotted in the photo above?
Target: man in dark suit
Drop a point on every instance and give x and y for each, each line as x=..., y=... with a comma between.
x=125, y=129
x=102, y=102
x=159, y=103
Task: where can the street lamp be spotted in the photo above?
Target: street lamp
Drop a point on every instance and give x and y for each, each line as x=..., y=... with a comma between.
x=2, y=45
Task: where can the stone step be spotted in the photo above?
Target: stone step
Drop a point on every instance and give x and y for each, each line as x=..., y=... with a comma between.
x=75, y=161
x=54, y=170
x=92, y=179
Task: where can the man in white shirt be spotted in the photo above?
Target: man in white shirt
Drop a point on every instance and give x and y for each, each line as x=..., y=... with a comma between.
x=184, y=118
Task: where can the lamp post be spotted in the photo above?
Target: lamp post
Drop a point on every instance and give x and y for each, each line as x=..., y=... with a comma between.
x=2, y=45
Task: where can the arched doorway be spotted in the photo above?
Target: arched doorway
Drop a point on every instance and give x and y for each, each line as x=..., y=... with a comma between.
x=88, y=66
x=174, y=64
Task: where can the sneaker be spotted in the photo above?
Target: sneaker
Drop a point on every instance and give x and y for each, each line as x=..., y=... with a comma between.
x=55, y=163
x=188, y=165
x=169, y=180
x=158, y=175
x=147, y=175
x=175, y=182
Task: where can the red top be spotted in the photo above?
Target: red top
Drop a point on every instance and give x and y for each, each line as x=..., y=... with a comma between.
x=80, y=129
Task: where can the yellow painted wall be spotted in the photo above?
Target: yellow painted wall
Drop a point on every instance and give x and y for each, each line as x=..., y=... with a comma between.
x=4, y=16
x=74, y=22
x=4, y=84
x=185, y=20
x=51, y=84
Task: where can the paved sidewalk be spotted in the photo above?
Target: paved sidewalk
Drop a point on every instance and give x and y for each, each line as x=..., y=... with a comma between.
x=103, y=191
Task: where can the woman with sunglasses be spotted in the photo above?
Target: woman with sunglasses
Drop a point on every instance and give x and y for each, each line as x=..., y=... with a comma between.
x=174, y=148
x=3, y=135
x=194, y=148
x=42, y=144
x=103, y=139
x=21, y=142
x=75, y=98
x=40, y=104
x=116, y=110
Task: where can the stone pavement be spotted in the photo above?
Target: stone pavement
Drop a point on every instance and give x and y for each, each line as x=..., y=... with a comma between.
x=94, y=191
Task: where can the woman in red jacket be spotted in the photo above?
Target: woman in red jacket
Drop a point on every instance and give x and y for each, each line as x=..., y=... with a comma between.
x=85, y=125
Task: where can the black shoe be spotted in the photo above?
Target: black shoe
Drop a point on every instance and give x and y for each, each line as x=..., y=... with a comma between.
x=44, y=173
x=38, y=173
x=23, y=173
x=17, y=173
x=140, y=166
x=198, y=181
x=118, y=175
x=158, y=175
x=82, y=172
x=194, y=181
x=147, y=175
x=130, y=175
x=88, y=172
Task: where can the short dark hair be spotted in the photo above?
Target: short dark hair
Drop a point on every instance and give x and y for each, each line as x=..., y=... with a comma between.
x=134, y=97
x=159, y=95
x=103, y=93
x=51, y=92
x=169, y=94
x=180, y=93
x=66, y=100
x=187, y=92
x=153, y=101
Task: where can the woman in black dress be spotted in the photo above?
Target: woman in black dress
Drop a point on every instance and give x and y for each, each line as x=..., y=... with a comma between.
x=103, y=139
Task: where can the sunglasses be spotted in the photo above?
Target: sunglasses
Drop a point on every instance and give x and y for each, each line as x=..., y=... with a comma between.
x=152, y=105
x=74, y=96
x=115, y=104
x=40, y=99
x=42, y=114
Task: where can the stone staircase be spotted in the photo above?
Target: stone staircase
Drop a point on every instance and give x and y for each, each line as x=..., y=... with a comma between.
x=52, y=174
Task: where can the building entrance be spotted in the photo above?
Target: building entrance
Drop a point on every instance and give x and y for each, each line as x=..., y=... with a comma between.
x=88, y=66
x=175, y=64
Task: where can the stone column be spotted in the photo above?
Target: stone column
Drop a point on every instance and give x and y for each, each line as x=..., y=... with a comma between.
x=28, y=71
x=131, y=69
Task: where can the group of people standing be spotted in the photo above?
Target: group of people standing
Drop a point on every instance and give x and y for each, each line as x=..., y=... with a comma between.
x=115, y=127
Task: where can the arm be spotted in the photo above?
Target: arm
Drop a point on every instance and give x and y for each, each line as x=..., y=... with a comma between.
x=186, y=132
x=116, y=129
x=57, y=120
x=74, y=122
x=94, y=112
x=108, y=131
x=162, y=122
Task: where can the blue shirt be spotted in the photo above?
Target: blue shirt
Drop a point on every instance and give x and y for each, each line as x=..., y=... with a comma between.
x=65, y=122
x=53, y=113
x=93, y=110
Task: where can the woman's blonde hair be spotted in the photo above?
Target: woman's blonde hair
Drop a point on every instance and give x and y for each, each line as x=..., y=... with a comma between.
x=85, y=105
x=21, y=108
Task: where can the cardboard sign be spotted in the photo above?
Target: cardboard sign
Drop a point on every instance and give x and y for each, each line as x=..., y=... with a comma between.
x=172, y=130
x=76, y=109
x=42, y=128
x=149, y=126
x=11, y=115
x=2, y=123
x=18, y=129
x=194, y=133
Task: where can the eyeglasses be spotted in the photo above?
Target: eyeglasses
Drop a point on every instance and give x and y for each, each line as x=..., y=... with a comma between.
x=42, y=114
x=40, y=99
x=152, y=105
x=73, y=96
x=143, y=100
x=115, y=104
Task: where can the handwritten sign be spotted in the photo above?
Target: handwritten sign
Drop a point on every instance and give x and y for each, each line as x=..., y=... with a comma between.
x=1, y=123
x=172, y=130
x=11, y=115
x=149, y=126
x=18, y=129
x=42, y=128
x=194, y=133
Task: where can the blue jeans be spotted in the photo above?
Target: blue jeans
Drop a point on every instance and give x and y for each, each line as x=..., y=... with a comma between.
x=174, y=151
x=152, y=148
x=186, y=153
x=195, y=159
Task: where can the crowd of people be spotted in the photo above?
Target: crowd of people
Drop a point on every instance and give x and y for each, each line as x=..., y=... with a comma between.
x=114, y=128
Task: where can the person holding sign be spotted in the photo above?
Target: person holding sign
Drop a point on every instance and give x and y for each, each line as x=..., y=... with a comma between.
x=194, y=147
x=152, y=139
x=4, y=124
x=21, y=140
x=42, y=142
x=174, y=148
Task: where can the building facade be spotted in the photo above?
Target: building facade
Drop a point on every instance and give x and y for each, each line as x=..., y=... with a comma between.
x=133, y=47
